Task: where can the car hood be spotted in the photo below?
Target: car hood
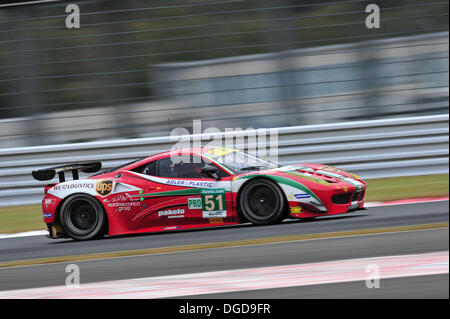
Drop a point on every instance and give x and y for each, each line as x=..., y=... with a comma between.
x=315, y=173
x=323, y=172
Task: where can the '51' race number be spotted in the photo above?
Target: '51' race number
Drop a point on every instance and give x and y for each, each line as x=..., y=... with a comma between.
x=214, y=203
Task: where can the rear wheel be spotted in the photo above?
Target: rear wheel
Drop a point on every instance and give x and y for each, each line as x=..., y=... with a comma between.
x=82, y=217
x=262, y=202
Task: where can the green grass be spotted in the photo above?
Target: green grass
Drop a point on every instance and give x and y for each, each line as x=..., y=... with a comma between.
x=24, y=218
x=15, y=219
x=385, y=189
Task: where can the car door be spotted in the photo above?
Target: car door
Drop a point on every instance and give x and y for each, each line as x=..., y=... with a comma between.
x=181, y=194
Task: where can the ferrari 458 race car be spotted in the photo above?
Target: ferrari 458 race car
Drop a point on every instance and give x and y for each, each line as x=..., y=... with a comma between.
x=192, y=188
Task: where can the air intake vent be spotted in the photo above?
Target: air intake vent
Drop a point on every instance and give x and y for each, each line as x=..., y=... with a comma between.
x=341, y=199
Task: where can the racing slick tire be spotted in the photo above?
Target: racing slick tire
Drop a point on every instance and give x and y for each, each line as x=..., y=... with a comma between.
x=262, y=202
x=82, y=217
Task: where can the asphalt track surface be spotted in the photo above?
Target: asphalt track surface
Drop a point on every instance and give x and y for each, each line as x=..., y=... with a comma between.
x=249, y=256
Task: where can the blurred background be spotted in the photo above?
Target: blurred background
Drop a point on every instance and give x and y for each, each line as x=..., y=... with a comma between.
x=373, y=102
x=142, y=68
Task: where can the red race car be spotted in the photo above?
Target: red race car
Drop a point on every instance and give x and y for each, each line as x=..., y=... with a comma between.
x=192, y=188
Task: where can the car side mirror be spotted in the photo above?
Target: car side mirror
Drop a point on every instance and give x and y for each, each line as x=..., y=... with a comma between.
x=212, y=171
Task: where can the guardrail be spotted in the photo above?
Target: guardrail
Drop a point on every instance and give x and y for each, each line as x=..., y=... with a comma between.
x=371, y=149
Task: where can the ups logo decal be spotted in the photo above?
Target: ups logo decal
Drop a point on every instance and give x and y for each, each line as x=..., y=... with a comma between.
x=103, y=188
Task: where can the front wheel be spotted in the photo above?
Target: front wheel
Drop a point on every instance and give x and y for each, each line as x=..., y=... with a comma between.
x=262, y=202
x=82, y=217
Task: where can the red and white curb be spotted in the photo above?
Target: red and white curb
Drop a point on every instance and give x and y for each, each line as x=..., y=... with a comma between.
x=367, y=205
x=250, y=279
x=406, y=201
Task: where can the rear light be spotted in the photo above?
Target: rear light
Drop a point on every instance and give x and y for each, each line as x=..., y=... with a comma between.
x=48, y=186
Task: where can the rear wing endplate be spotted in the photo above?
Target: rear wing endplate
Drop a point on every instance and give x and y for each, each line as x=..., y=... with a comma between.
x=49, y=173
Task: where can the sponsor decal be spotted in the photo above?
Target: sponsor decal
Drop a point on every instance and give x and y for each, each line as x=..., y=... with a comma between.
x=213, y=203
x=171, y=227
x=122, y=202
x=296, y=209
x=187, y=183
x=118, y=198
x=214, y=214
x=47, y=215
x=195, y=203
x=171, y=213
x=104, y=188
x=49, y=202
x=72, y=186
x=301, y=196
x=219, y=151
x=124, y=207
x=127, y=204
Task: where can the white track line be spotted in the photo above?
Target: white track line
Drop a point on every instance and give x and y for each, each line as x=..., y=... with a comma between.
x=367, y=205
x=248, y=279
x=24, y=234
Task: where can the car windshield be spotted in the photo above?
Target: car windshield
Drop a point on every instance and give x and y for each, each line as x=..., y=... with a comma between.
x=239, y=162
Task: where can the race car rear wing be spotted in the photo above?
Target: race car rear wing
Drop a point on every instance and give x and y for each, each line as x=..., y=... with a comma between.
x=49, y=173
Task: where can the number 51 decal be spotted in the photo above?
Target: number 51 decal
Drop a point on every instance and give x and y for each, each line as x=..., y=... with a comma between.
x=213, y=203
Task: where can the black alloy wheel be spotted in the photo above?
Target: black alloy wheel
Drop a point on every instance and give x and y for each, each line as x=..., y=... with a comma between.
x=82, y=217
x=262, y=202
